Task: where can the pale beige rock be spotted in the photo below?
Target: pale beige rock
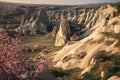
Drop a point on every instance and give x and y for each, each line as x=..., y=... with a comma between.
x=92, y=41
x=75, y=17
x=23, y=20
x=93, y=17
x=114, y=21
x=63, y=33
x=114, y=78
x=57, y=16
x=31, y=26
x=69, y=16
x=1, y=29
x=92, y=44
x=54, y=31
x=117, y=29
x=111, y=26
x=92, y=63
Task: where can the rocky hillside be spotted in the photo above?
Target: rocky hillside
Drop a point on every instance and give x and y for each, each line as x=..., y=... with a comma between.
x=89, y=35
x=99, y=31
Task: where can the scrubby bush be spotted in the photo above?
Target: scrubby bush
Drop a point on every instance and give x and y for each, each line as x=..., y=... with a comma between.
x=14, y=65
x=60, y=74
x=107, y=65
x=94, y=74
x=115, y=36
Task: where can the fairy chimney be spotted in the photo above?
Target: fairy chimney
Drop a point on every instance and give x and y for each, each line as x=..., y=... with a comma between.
x=63, y=33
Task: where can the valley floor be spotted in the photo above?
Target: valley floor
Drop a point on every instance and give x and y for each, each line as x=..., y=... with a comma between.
x=40, y=43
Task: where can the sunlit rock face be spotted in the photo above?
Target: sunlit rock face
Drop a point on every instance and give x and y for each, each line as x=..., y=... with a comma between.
x=90, y=18
x=42, y=17
x=31, y=26
x=69, y=16
x=1, y=30
x=111, y=26
x=114, y=78
x=54, y=31
x=82, y=54
x=53, y=16
x=25, y=18
x=40, y=23
x=87, y=19
x=57, y=16
x=75, y=16
x=117, y=29
x=63, y=33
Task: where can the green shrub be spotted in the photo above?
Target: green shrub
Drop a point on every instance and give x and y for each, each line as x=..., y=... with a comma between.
x=115, y=36
x=61, y=74
x=94, y=74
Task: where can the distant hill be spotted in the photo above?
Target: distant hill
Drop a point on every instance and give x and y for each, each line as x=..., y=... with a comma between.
x=82, y=6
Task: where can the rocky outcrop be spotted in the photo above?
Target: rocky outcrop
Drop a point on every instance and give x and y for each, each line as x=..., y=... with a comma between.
x=63, y=33
x=40, y=23
x=117, y=29
x=91, y=45
x=93, y=41
x=82, y=18
x=54, y=31
x=90, y=18
x=1, y=30
x=75, y=16
x=69, y=16
x=74, y=37
x=42, y=17
x=57, y=17
x=114, y=78
x=34, y=26
x=25, y=18
x=111, y=26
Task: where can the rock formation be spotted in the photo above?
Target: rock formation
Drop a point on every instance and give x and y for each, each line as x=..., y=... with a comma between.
x=63, y=33
x=75, y=17
x=90, y=18
x=57, y=16
x=1, y=30
x=31, y=26
x=40, y=23
x=69, y=58
x=25, y=18
x=69, y=16
x=74, y=37
x=54, y=31
x=114, y=78
x=52, y=17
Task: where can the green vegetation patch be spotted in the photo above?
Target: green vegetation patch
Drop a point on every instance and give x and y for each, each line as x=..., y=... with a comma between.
x=60, y=74
x=109, y=61
x=40, y=43
x=115, y=36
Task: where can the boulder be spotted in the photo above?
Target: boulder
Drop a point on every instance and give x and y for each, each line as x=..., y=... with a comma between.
x=74, y=37
x=117, y=29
